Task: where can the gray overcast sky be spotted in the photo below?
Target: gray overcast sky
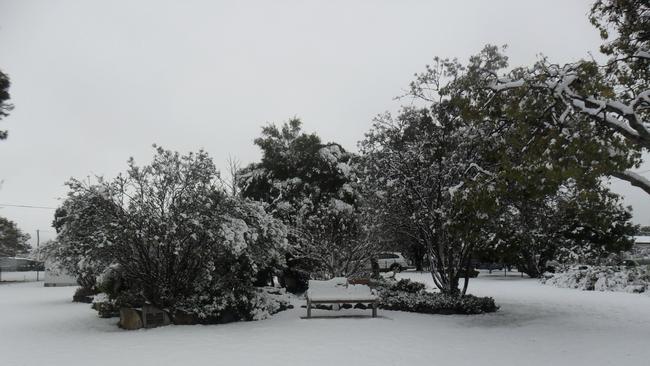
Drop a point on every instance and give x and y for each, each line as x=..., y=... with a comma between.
x=97, y=82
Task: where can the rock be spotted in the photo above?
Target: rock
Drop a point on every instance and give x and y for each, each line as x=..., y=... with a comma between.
x=154, y=317
x=130, y=319
x=182, y=318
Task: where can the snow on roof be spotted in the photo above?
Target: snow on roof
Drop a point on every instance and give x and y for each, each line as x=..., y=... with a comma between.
x=642, y=239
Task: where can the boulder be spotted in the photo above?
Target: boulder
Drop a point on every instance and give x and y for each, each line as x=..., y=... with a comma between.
x=182, y=318
x=154, y=317
x=130, y=319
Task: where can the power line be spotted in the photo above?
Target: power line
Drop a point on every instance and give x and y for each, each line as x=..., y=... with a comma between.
x=27, y=206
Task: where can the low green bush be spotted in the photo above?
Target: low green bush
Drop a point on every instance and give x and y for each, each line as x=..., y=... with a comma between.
x=405, y=295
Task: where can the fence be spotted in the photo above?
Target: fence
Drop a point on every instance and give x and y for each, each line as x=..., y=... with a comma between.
x=21, y=276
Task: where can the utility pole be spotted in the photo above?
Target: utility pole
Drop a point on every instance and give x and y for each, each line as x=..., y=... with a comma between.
x=38, y=241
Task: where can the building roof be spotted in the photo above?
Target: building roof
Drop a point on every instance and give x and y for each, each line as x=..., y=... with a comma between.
x=642, y=240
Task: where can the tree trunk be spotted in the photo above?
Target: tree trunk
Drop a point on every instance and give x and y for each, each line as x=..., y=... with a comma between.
x=530, y=267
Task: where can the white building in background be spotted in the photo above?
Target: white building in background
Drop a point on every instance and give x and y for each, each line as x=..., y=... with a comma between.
x=55, y=277
x=642, y=242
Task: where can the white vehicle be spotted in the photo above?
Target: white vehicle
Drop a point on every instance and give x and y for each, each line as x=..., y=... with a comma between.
x=392, y=261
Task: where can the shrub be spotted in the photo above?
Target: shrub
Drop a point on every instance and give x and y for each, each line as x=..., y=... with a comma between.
x=437, y=303
x=256, y=304
x=168, y=234
x=406, y=295
x=84, y=294
x=408, y=286
x=602, y=278
x=106, y=308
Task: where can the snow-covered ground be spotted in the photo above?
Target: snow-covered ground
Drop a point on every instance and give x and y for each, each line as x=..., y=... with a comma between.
x=536, y=325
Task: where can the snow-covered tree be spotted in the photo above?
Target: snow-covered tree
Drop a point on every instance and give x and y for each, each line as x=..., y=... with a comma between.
x=613, y=98
x=448, y=174
x=643, y=230
x=594, y=225
x=312, y=187
x=575, y=224
x=12, y=240
x=173, y=235
x=424, y=173
x=82, y=223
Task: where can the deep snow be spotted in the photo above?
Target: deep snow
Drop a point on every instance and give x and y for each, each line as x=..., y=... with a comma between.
x=536, y=325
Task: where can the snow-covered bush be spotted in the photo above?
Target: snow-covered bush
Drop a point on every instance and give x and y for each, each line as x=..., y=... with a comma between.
x=106, y=307
x=405, y=295
x=169, y=235
x=269, y=301
x=405, y=285
x=602, y=278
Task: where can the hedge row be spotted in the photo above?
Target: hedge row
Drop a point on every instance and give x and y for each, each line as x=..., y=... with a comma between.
x=405, y=295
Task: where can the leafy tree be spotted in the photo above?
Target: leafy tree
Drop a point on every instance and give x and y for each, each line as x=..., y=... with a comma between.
x=643, y=230
x=428, y=183
x=82, y=224
x=312, y=187
x=613, y=97
x=5, y=107
x=13, y=241
x=573, y=225
x=594, y=225
x=173, y=235
x=452, y=174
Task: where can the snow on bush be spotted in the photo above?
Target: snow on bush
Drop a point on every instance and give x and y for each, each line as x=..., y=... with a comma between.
x=602, y=278
x=405, y=295
x=269, y=301
x=169, y=235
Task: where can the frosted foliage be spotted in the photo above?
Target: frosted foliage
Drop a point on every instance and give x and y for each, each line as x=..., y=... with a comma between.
x=170, y=234
x=234, y=232
x=603, y=278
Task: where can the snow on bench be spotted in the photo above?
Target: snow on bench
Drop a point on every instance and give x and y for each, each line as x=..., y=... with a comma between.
x=338, y=290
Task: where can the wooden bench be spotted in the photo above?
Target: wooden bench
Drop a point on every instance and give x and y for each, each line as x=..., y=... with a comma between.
x=339, y=291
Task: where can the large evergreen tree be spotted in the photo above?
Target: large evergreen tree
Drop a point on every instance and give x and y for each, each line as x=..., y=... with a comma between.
x=312, y=187
x=12, y=240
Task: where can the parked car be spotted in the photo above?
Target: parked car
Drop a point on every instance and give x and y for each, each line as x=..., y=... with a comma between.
x=392, y=261
x=489, y=266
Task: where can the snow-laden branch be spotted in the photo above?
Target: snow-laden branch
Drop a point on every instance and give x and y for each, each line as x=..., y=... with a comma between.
x=635, y=179
x=620, y=116
x=500, y=85
x=642, y=54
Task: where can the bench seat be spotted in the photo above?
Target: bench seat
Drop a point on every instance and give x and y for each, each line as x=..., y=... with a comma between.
x=339, y=291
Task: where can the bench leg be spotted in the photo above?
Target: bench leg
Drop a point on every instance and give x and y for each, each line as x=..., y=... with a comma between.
x=374, y=309
x=308, y=309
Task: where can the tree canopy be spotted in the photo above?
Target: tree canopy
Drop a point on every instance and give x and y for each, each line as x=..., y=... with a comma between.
x=313, y=187
x=13, y=241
